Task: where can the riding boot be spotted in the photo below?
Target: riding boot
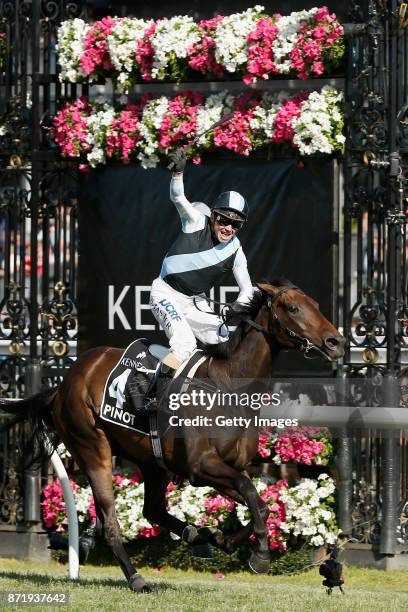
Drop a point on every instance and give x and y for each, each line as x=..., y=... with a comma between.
x=158, y=386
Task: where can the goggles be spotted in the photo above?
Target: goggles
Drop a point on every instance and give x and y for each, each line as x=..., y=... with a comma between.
x=224, y=221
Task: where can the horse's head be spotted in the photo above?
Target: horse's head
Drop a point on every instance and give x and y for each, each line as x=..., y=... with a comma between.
x=296, y=321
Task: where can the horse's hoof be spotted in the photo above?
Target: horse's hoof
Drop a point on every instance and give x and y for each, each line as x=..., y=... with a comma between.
x=202, y=551
x=212, y=536
x=190, y=535
x=138, y=584
x=259, y=564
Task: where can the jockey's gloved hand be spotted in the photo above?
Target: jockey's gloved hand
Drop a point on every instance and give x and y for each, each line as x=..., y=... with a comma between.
x=234, y=311
x=178, y=160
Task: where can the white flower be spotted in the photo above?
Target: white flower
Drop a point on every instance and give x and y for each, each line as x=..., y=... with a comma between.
x=317, y=540
x=215, y=106
x=70, y=46
x=304, y=516
x=82, y=499
x=121, y=45
x=231, y=34
x=171, y=40
x=284, y=42
x=243, y=514
x=319, y=124
x=153, y=115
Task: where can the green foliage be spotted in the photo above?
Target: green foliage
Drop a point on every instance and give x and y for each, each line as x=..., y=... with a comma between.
x=163, y=551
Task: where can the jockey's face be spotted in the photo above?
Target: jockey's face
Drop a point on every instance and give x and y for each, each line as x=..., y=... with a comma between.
x=223, y=227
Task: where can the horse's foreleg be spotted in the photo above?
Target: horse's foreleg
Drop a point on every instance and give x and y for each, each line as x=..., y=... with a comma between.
x=232, y=542
x=155, y=507
x=101, y=482
x=155, y=511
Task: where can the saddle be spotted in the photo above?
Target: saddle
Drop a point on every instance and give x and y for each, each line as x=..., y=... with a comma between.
x=137, y=368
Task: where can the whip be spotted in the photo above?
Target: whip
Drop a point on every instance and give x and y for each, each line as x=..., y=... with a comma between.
x=197, y=138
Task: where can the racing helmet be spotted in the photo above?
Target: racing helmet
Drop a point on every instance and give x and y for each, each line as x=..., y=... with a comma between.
x=231, y=204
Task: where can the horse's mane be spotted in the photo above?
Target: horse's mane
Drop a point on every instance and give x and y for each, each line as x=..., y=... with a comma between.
x=225, y=350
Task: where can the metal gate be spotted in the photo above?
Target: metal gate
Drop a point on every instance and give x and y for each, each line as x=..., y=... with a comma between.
x=373, y=466
x=38, y=228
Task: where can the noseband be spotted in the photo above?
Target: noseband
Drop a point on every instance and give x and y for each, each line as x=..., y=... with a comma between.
x=303, y=344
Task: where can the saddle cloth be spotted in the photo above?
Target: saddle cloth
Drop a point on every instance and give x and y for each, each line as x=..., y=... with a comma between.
x=117, y=407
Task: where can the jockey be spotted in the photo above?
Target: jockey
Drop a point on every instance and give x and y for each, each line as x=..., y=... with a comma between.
x=204, y=250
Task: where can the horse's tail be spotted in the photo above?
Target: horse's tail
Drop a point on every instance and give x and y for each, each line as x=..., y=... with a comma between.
x=42, y=439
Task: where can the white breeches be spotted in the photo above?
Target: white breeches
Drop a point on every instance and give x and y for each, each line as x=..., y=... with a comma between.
x=182, y=321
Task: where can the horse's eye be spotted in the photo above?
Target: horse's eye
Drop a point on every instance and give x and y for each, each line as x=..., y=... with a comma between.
x=293, y=309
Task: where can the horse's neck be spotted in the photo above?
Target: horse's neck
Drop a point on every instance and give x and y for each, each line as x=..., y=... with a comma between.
x=254, y=356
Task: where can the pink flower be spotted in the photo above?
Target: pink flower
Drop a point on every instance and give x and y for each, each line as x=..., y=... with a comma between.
x=202, y=54
x=70, y=128
x=260, y=53
x=317, y=45
x=180, y=121
x=149, y=532
x=290, y=109
x=96, y=55
x=144, y=54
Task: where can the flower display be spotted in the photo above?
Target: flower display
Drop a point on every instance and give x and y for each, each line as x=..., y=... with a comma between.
x=305, y=510
x=309, y=511
x=310, y=122
x=250, y=43
x=307, y=445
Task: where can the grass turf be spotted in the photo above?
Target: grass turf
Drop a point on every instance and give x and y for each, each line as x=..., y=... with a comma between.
x=104, y=589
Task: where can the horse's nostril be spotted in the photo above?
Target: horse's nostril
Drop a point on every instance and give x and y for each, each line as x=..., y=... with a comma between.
x=331, y=342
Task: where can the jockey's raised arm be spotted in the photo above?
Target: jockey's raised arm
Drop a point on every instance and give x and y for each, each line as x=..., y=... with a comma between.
x=191, y=218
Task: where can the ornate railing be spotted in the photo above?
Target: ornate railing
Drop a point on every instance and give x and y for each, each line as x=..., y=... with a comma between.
x=375, y=265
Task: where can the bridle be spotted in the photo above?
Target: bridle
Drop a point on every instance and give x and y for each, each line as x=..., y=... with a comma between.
x=303, y=344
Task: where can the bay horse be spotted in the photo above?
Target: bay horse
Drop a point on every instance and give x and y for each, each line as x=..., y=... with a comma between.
x=280, y=315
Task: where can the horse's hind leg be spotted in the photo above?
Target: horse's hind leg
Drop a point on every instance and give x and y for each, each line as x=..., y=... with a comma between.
x=98, y=468
x=155, y=509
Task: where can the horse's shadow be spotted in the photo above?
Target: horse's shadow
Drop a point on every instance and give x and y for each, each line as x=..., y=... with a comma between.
x=119, y=583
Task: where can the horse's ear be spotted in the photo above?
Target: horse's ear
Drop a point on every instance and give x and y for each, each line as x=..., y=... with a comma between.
x=266, y=288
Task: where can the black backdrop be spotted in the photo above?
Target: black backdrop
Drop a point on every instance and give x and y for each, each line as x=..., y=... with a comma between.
x=127, y=223
x=200, y=9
